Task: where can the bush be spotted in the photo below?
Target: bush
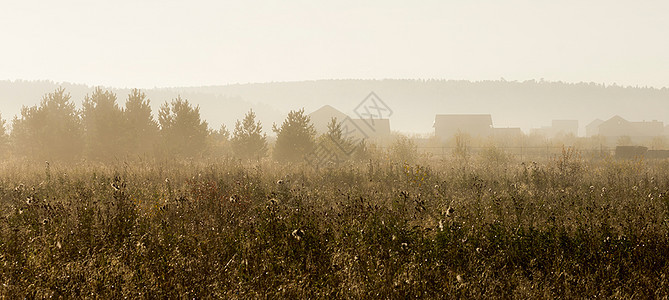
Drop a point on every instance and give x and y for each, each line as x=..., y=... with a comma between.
x=403, y=149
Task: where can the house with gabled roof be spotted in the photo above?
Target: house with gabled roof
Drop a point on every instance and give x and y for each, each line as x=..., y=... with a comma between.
x=616, y=126
x=357, y=129
x=322, y=116
x=639, y=132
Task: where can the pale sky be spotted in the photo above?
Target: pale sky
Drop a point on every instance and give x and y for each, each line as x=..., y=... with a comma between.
x=146, y=44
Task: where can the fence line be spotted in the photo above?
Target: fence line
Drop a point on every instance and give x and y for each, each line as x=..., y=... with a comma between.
x=522, y=152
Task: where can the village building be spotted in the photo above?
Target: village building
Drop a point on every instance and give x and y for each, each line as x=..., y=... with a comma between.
x=357, y=129
x=617, y=129
x=474, y=125
x=557, y=128
x=592, y=129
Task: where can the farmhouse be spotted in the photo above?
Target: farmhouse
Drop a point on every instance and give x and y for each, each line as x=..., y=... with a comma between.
x=617, y=126
x=322, y=116
x=637, y=132
x=353, y=128
x=475, y=125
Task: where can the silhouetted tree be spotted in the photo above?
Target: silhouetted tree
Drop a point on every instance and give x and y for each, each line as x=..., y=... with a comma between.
x=295, y=138
x=218, y=142
x=248, y=141
x=182, y=131
x=335, y=141
x=222, y=133
x=141, y=129
x=4, y=138
x=49, y=131
x=103, y=125
x=335, y=134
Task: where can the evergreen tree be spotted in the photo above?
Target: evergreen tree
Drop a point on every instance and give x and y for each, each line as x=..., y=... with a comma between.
x=141, y=129
x=103, y=125
x=51, y=131
x=295, y=138
x=248, y=141
x=218, y=142
x=4, y=139
x=336, y=143
x=182, y=131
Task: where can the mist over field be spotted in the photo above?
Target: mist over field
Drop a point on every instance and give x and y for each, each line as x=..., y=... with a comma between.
x=527, y=104
x=299, y=150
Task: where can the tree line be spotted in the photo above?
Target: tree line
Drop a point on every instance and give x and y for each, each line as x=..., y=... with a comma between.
x=104, y=130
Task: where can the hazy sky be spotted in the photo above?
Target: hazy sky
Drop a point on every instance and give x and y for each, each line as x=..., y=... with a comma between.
x=162, y=43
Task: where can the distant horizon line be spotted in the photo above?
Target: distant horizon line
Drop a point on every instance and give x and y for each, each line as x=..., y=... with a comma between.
x=541, y=80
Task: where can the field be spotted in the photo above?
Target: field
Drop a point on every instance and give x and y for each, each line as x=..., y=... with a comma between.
x=479, y=228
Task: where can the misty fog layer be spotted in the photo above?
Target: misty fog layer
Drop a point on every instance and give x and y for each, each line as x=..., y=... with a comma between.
x=529, y=104
x=106, y=127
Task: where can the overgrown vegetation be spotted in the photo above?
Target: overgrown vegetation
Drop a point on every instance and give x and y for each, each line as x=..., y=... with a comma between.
x=566, y=228
x=129, y=206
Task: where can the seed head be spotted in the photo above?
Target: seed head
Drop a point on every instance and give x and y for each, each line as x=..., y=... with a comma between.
x=297, y=234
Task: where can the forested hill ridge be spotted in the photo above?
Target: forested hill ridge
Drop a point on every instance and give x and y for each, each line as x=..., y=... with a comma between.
x=526, y=104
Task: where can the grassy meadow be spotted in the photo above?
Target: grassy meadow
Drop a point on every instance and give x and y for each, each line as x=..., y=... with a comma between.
x=566, y=227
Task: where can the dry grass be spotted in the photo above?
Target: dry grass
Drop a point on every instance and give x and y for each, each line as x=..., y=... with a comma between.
x=564, y=228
